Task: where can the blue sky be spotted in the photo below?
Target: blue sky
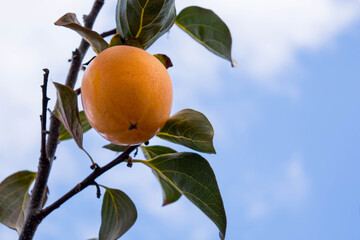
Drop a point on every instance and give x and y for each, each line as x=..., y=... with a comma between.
x=286, y=121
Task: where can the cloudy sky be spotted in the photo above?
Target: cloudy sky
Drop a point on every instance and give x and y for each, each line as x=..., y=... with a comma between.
x=286, y=120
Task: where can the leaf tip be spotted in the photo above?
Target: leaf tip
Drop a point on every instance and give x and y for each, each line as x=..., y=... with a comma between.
x=222, y=235
x=234, y=63
x=66, y=19
x=165, y=60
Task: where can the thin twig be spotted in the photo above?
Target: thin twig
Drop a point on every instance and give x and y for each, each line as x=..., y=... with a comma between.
x=38, y=193
x=108, y=33
x=98, y=191
x=89, y=180
x=43, y=117
x=78, y=91
x=88, y=62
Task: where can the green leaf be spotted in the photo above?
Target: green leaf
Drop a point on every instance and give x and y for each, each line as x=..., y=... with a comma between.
x=69, y=20
x=208, y=29
x=192, y=175
x=14, y=199
x=116, y=40
x=116, y=148
x=151, y=152
x=165, y=60
x=191, y=129
x=64, y=135
x=66, y=110
x=118, y=214
x=144, y=19
x=170, y=194
x=135, y=42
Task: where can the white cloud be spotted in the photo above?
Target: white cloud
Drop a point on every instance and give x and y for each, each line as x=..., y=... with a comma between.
x=268, y=35
x=30, y=42
x=287, y=189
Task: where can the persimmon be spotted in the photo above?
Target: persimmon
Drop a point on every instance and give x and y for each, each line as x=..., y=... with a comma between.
x=126, y=94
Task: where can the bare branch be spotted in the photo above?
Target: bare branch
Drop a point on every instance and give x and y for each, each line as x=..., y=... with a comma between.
x=38, y=193
x=90, y=180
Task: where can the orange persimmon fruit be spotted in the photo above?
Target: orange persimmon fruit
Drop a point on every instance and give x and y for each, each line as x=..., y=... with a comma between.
x=126, y=94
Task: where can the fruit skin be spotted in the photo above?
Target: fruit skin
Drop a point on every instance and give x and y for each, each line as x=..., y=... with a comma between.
x=126, y=94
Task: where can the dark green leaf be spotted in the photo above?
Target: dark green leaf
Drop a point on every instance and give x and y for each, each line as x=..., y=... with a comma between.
x=69, y=20
x=165, y=60
x=208, y=29
x=170, y=194
x=151, y=152
x=64, y=135
x=192, y=175
x=115, y=148
x=118, y=214
x=191, y=129
x=15, y=198
x=145, y=20
x=66, y=110
x=116, y=40
x=135, y=42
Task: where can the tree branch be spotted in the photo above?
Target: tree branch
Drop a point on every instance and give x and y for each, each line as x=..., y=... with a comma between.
x=90, y=180
x=108, y=33
x=44, y=167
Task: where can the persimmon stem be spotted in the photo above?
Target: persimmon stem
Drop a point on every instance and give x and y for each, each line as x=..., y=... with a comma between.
x=32, y=221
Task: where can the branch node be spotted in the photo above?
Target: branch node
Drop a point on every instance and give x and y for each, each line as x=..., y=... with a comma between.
x=94, y=166
x=129, y=162
x=98, y=192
